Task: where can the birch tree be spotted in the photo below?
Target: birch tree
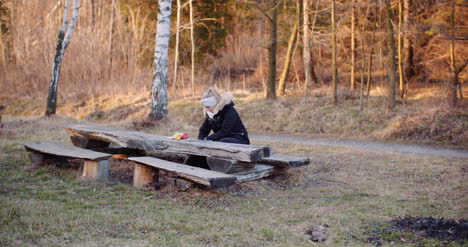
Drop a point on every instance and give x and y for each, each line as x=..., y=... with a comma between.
x=64, y=36
x=159, y=90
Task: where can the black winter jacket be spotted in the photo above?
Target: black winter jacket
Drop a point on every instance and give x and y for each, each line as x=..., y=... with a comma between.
x=225, y=123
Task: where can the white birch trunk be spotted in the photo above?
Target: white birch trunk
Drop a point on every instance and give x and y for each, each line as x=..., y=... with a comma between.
x=62, y=44
x=159, y=91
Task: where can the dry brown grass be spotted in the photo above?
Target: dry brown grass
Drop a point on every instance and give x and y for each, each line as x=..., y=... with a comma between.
x=352, y=191
x=426, y=120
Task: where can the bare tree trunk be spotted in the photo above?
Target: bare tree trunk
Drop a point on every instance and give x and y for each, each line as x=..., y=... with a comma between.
x=401, y=75
x=363, y=60
x=407, y=43
x=93, y=17
x=192, y=38
x=2, y=48
x=177, y=46
x=271, y=83
x=306, y=45
x=289, y=52
x=334, y=66
x=454, y=82
x=353, y=44
x=159, y=90
x=371, y=54
x=309, y=67
x=392, y=55
x=111, y=37
x=62, y=43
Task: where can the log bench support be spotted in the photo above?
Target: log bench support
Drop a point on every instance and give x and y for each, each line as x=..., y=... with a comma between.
x=95, y=167
x=95, y=170
x=144, y=175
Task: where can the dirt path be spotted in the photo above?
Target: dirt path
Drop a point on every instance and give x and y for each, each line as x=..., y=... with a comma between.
x=372, y=146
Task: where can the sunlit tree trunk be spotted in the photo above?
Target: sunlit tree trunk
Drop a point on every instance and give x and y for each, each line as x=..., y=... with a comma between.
x=371, y=54
x=363, y=59
x=2, y=48
x=177, y=46
x=159, y=90
x=392, y=61
x=306, y=44
x=111, y=36
x=407, y=42
x=192, y=39
x=454, y=80
x=289, y=52
x=353, y=44
x=62, y=43
x=309, y=67
x=93, y=17
x=334, y=66
x=401, y=76
x=271, y=83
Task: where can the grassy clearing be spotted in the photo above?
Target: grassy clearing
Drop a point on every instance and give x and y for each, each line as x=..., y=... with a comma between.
x=352, y=191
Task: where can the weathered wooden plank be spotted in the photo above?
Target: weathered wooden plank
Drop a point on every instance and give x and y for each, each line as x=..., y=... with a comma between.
x=195, y=174
x=64, y=150
x=228, y=166
x=259, y=171
x=286, y=161
x=151, y=142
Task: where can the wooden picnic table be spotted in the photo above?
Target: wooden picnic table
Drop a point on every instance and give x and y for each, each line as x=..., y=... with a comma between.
x=242, y=162
x=81, y=134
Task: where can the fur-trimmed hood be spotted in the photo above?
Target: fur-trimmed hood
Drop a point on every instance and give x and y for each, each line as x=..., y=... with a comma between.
x=223, y=100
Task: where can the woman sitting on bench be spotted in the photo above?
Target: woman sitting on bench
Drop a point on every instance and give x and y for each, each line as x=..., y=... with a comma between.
x=222, y=119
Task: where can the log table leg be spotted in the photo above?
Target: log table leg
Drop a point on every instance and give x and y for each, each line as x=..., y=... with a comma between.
x=144, y=175
x=83, y=142
x=36, y=159
x=98, y=170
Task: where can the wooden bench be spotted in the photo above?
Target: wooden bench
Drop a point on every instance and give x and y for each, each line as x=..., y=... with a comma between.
x=96, y=164
x=275, y=160
x=144, y=173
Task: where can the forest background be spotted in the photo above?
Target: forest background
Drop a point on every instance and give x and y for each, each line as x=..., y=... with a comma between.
x=107, y=69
